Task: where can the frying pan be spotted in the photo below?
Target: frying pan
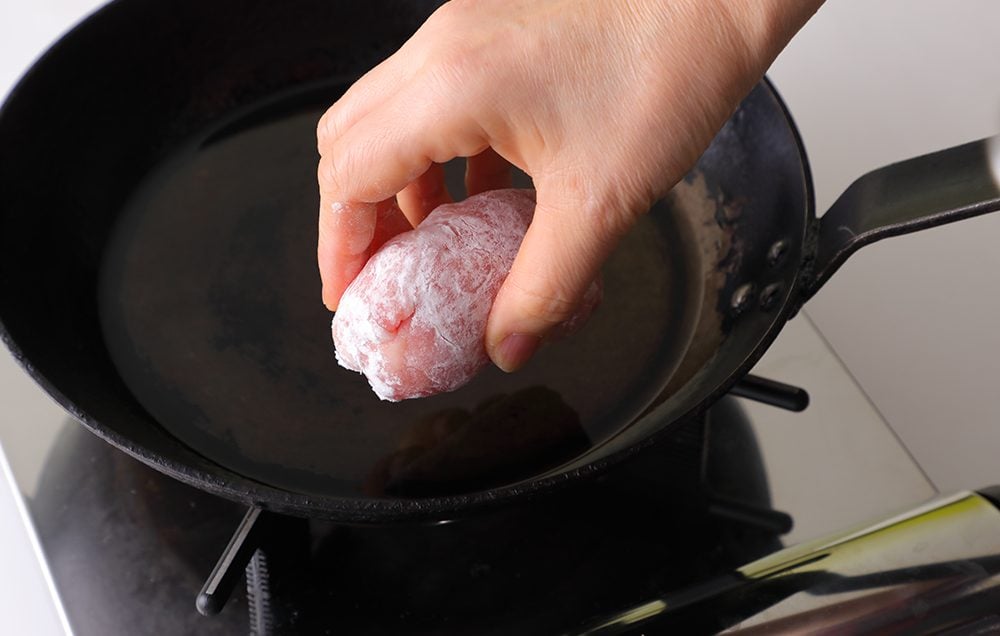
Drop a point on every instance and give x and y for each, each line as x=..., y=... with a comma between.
x=157, y=275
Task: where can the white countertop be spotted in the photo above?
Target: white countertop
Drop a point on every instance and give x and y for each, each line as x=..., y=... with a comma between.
x=28, y=599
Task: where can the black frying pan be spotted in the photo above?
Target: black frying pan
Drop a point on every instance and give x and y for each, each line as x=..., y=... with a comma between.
x=157, y=275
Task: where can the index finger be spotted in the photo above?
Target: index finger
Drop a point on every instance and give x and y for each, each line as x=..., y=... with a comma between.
x=363, y=169
x=346, y=230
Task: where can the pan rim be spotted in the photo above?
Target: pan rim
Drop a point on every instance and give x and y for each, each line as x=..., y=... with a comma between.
x=231, y=485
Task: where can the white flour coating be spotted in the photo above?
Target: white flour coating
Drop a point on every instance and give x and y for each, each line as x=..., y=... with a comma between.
x=414, y=319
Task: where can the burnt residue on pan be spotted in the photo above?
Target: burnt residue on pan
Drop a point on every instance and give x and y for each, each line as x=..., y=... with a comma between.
x=713, y=245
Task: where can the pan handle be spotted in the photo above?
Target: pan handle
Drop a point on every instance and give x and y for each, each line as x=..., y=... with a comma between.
x=934, y=189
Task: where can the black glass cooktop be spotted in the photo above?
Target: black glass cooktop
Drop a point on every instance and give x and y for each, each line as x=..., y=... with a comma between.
x=129, y=548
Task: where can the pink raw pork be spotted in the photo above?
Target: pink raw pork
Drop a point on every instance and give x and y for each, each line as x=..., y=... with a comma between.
x=414, y=319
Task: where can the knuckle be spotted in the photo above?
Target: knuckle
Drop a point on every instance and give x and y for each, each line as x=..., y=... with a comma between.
x=453, y=63
x=328, y=176
x=610, y=219
x=449, y=14
x=584, y=207
x=547, y=307
x=326, y=130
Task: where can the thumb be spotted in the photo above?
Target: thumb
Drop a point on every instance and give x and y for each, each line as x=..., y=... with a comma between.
x=567, y=242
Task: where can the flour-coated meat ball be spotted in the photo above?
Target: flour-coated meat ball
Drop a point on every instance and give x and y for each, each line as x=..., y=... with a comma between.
x=414, y=320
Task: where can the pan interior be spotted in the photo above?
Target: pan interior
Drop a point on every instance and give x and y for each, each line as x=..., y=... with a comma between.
x=209, y=301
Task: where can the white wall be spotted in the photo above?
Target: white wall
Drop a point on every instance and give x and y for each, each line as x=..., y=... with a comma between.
x=914, y=318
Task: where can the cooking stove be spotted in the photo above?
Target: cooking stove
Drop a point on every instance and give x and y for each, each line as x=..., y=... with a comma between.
x=122, y=539
x=687, y=523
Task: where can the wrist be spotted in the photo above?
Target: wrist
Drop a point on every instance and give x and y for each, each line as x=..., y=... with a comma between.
x=767, y=25
x=762, y=27
x=700, y=59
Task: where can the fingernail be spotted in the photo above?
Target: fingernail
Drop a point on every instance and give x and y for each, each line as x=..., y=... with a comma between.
x=515, y=350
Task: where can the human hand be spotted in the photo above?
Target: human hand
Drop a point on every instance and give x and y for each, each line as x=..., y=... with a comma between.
x=606, y=104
